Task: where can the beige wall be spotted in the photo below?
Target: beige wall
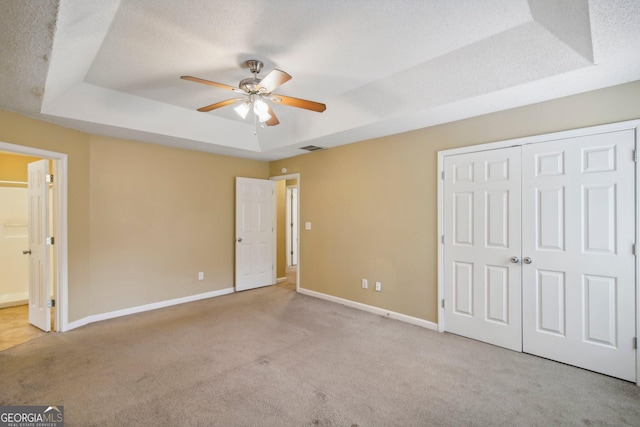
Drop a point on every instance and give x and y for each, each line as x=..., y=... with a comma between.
x=159, y=216
x=13, y=167
x=143, y=219
x=373, y=204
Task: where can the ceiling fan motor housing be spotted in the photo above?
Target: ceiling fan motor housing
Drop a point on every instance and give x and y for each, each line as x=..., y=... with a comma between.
x=250, y=85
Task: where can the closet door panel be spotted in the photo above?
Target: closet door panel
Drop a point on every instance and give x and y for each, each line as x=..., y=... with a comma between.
x=579, y=288
x=482, y=233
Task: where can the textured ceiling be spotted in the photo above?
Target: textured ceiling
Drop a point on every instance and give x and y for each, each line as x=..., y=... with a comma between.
x=112, y=67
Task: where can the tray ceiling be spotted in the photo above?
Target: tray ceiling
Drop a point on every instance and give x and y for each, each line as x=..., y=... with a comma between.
x=112, y=67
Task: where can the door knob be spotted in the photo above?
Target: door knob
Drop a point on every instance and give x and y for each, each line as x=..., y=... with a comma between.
x=239, y=239
x=527, y=260
x=515, y=259
x=27, y=252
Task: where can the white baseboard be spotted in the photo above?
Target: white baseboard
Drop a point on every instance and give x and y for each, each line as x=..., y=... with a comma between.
x=12, y=300
x=14, y=303
x=147, y=307
x=371, y=309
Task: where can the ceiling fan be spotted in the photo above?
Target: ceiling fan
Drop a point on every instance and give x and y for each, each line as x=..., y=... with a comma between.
x=255, y=92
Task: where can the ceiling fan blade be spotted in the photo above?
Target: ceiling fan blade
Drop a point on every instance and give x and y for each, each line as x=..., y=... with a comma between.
x=210, y=83
x=273, y=80
x=273, y=120
x=299, y=103
x=219, y=104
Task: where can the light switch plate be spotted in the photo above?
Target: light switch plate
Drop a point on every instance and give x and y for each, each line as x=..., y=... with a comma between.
x=307, y=225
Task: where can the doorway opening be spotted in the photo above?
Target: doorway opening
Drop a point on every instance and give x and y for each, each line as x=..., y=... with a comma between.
x=287, y=231
x=291, y=225
x=56, y=289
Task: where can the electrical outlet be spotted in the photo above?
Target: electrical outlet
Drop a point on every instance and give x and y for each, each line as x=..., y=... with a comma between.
x=365, y=284
x=378, y=286
x=201, y=275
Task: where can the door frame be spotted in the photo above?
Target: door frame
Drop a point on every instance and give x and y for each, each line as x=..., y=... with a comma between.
x=295, y=176
x=60, y=224
x=290, y=209
x=591, y=130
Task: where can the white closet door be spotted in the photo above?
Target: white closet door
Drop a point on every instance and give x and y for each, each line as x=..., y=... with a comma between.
x=482, y=234
x=578, y=216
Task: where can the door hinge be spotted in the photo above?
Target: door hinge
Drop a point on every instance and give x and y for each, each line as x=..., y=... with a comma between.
x=442, y=239
x=633, y=249
x=442, y=175
x=443, y=303
x=51, y=303
x=635, y=343
x=635, y=156
x=50, y=241
x=48, y=178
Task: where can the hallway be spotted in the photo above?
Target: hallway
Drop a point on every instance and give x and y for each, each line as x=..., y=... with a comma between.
x=15, y=327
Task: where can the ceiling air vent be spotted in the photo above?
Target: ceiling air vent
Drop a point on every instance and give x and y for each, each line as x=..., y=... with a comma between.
x=313, y=148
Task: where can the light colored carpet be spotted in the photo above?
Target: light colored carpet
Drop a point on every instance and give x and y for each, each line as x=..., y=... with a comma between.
x=272, y=357
x=287, y=285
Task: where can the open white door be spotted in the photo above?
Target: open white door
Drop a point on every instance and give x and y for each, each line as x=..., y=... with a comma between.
x=255, y=233
x=39, y=266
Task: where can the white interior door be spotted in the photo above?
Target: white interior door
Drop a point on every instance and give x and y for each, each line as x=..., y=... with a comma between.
x=255, y=233
x=39, y=256
x=482, y=234
x=579, y=280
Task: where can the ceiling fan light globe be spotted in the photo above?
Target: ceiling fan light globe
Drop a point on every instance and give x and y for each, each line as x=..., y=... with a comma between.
x=260, y=107
x=263, y=117
x=243, y=109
